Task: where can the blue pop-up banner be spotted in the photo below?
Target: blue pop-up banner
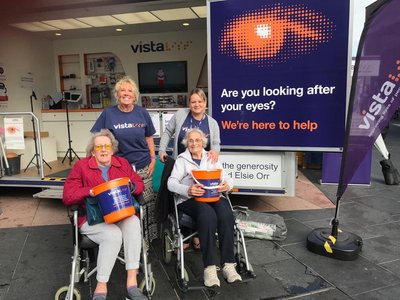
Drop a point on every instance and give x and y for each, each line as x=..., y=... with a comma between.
x=279, y=73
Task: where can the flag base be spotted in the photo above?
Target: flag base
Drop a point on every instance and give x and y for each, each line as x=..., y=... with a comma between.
x=345, y=247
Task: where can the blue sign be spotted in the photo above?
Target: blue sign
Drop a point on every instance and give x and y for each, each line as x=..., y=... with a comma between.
x=279, y=73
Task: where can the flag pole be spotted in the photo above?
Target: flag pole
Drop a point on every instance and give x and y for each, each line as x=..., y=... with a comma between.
x=333, y=242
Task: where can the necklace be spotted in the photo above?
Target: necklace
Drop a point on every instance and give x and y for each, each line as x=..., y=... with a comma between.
x=125, y=108
x=191, y=121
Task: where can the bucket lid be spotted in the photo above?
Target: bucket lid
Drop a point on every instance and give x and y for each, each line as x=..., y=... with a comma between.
x=98, y=189
x=207, y=174
x=11, y=154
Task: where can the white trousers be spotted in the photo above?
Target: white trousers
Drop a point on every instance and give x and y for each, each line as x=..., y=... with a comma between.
x=109, y=237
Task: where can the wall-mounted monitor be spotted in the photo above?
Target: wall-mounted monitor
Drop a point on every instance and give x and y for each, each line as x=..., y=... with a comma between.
x=163, y=77
x=72, y=96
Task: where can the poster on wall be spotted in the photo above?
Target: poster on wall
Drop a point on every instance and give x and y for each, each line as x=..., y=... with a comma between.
x=166, y=117
x=27, y=80
x=14, y=133
x=155, y=118
x=2, y=72
x=279, y=73
x=3, y=88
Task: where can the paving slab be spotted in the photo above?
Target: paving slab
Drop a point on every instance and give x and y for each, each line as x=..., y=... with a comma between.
x=387, y=293
x=42, y=261
x=363, y=215
x=297, y=232
x=382, y=249
x=351, y=277
x=308, y=215
x=392, y=266
x=389, y=204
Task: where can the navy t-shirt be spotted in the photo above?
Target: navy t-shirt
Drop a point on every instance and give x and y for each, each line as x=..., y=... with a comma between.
x=189, y=123
x=130, y=129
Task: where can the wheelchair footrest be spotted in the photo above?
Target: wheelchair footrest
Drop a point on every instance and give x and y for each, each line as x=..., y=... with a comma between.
x=248, y=276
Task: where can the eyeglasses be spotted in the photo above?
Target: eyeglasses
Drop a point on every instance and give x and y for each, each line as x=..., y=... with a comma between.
x=197, y=141
x=100, y=147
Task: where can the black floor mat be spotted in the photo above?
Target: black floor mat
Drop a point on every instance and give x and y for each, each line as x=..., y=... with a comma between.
x=61, y=174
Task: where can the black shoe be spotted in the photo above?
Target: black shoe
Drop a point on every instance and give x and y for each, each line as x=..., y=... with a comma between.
x=136, y=294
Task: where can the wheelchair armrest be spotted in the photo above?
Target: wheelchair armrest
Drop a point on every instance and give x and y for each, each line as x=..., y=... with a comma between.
x=140, y=199
x=74, y=207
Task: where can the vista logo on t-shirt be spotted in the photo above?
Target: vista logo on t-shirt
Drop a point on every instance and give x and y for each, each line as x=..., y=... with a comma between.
x=129, y=125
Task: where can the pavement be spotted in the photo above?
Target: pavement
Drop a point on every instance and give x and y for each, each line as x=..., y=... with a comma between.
x=36, y=245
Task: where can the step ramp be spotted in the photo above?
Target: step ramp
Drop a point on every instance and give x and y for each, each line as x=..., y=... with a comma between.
x=52, y=193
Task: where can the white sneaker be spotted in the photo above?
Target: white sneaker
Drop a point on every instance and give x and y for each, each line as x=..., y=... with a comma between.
x=211, y=277
x=230, y=274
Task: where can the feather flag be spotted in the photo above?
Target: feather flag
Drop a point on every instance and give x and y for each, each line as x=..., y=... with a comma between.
x=375, y=92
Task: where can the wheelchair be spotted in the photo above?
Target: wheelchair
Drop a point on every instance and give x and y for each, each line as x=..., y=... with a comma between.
x=173, y=238
x=85, y=252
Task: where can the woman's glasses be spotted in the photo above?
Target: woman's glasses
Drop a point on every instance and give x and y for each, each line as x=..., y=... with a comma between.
x=197, y=141
x=100, y=147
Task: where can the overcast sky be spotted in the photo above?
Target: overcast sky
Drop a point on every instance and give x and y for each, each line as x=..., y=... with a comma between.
x=358, y=21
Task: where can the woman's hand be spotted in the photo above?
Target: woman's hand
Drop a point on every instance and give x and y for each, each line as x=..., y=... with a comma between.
x=196, y=190
x=152, y=166
x=212, y=156
x=91, y=193
x=163, y=156
x=223, y=187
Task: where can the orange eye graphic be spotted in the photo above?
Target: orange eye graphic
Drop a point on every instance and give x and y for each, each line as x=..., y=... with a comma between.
x=274, y=34
x=12, y=130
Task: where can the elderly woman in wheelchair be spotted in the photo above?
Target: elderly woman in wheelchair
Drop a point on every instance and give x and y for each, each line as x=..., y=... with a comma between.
x=210, y=217
x=101, y=166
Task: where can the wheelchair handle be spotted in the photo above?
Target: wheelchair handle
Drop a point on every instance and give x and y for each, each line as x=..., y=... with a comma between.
x=205, y=187
x=132, y=186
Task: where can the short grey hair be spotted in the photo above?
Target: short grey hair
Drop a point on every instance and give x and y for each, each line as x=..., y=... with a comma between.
x=103, y=132
x=130, y=81
x=191, y=130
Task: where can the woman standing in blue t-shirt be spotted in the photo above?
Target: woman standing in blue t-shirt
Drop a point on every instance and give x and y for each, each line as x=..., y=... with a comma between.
x=132, y=127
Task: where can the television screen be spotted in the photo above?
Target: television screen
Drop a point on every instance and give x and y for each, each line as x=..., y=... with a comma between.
x=163, y=77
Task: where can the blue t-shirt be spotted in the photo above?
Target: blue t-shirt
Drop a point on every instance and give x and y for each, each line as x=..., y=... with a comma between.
x=131, y=130
x=104, y=172
x=189, y=123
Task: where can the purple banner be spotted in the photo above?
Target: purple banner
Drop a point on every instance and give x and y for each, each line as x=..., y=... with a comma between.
x=375, y=87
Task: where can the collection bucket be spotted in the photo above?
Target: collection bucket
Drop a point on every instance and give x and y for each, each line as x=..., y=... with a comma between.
x=14, y=163
x=210, y=179
x=114, y=198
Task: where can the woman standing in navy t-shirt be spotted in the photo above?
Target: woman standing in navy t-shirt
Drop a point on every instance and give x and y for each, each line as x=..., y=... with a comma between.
x=132, y=127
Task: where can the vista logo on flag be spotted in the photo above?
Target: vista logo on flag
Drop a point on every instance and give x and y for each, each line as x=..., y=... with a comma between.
x=386, y=95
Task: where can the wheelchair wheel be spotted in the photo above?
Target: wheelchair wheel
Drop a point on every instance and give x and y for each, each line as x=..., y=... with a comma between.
x=240, y=264
x=167, y=245
x=62, y=293
x=152, y=287
x=183, y=284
